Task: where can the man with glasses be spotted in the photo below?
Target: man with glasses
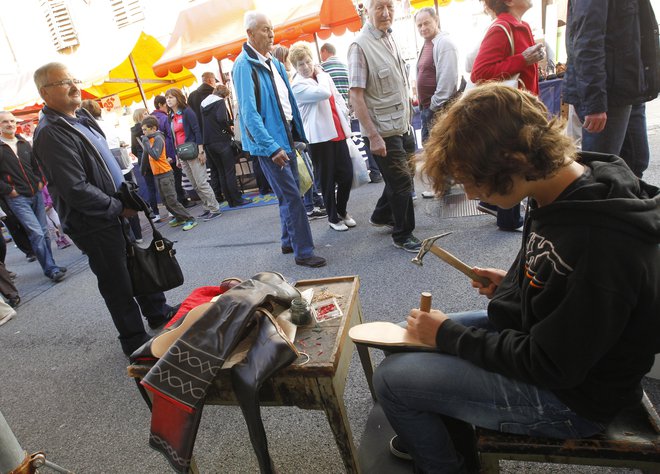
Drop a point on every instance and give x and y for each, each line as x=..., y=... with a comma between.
x=83, y=178
x=21, y=183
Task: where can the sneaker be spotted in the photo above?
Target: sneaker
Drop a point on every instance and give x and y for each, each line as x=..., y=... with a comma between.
x=339, y=226
x=414, y=196
x=389, y=225
x=189, y=225
x=139, y=241
x=487, y=208
x=57, y=276
x=156, y=218
x=428, y=194
x=15, y=301
x=312, y=262
x=397, y=449
x=31, y=258
x=63, y=269
x=348, y=220
x=316, y=213
x=212, y=215
x=411, y=244
x=175, y=222
x=7, y=317
x=286, y=249
x=203, y=214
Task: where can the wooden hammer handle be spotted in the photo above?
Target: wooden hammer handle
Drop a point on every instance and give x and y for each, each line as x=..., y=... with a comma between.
x=459, y=265
x=425, y=302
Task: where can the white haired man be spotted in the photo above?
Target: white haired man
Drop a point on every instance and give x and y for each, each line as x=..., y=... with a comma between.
x=270, y=123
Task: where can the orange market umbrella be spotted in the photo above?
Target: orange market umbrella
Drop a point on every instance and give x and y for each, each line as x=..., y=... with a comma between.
x=134, y=79
x=214, y=29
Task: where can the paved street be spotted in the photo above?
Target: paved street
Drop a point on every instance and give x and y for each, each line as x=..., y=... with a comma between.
x=64, y=387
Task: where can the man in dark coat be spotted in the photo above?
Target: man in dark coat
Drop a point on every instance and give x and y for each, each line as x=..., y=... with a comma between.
x=613, y=69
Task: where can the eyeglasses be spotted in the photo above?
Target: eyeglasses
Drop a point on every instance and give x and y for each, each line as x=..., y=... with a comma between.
x=65, y=82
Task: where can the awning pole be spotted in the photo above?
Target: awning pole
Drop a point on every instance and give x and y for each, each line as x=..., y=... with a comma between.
x=437, y=11
x=222, y=81
x=318, y=51
x=137, y=81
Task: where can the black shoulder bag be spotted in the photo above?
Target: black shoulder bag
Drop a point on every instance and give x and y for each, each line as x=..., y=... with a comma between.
x=155, y=268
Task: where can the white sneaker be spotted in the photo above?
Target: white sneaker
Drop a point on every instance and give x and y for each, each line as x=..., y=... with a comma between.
x=428, y=194
x=7, y=317
x=339, y=226
x=156, y=218
x=348, y=220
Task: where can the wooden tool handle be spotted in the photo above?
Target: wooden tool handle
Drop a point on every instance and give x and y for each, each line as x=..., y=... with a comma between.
x=425, y=302
x=459, y=265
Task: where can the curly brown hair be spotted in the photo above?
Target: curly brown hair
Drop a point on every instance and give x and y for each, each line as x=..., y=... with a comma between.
x=491, y=134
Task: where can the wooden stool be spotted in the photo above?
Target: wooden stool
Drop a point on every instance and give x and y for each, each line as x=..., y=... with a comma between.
x=631, y=440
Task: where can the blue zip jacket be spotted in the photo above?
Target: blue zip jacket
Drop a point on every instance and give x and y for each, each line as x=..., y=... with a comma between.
x=263, y=129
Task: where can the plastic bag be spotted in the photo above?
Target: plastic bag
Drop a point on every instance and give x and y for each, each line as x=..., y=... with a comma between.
x=360, y=172
x=304, y=176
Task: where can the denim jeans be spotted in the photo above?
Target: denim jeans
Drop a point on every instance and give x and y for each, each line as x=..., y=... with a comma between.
x=427, y=116
x=635, y=148
x=31, y=213
x=611, y=138
x=418, y=389
x=296, y=232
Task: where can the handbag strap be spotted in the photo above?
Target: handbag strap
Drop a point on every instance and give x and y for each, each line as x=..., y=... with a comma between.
x=508, y=35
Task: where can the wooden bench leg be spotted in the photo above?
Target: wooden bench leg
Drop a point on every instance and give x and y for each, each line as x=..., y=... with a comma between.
x=367, y=366
x=336, y=412
x=489, y=464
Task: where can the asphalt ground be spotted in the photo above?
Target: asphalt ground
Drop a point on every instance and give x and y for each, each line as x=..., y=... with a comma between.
x=63, y=383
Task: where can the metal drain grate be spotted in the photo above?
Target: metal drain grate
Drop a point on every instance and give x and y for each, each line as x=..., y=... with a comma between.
x=458, y=205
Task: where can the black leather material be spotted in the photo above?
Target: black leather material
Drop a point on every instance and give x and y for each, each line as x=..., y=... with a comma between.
x=269, y=353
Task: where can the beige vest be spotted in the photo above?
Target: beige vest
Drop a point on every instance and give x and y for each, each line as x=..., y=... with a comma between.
x=386, y=94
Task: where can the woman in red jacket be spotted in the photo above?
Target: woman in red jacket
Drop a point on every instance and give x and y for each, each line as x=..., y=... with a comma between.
x=508, y=49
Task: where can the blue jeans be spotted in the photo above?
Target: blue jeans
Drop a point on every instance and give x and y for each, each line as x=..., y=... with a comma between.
x=611, y=138
x=418, y=389
x=296, y=232
x=312, y=198
x=31, y=213
x=427, y=116
x=635, y=148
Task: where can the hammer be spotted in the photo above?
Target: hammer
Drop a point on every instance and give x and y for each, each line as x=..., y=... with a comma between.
x=429, y=245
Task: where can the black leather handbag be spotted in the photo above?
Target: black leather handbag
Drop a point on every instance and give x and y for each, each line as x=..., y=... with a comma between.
x=155, y=268
x=187, y=151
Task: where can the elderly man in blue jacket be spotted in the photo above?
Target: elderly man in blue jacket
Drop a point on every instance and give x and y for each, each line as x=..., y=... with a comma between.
x=270, y=122
x=613, y=68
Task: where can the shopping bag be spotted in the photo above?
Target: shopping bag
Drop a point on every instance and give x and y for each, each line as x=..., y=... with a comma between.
x=304, y=176
x=360, y=172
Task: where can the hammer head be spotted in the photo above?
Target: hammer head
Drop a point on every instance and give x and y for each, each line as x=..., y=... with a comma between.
x=426, y=246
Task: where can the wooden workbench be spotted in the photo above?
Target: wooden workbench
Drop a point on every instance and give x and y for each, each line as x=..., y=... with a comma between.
x=315, y=385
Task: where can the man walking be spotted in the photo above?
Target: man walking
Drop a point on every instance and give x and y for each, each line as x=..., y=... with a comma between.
x=21, y=183
x=270, y=123
x=608, y=86
x=195, y=99
x=437, y=68
x=83, y=178
x=337, y=70
x=379, y=95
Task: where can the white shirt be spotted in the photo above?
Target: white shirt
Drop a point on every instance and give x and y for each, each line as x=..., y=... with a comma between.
x=280, y=85
x=12, y=142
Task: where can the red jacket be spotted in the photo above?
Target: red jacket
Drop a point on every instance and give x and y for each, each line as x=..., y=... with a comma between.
x=494, y=59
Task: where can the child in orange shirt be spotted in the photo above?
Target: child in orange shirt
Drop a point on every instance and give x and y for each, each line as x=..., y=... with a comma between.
x=153, y=144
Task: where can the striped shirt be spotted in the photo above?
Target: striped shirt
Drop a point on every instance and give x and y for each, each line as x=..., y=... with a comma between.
x=338, y=71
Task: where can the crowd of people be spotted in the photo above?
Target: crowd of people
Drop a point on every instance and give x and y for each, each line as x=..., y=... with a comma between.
x=569, y=330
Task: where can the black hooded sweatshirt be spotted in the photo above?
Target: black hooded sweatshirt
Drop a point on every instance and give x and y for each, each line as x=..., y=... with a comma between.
x=578, y=312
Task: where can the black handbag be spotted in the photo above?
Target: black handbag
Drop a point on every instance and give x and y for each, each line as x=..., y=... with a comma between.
x=155, y=268
x=187, y=151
